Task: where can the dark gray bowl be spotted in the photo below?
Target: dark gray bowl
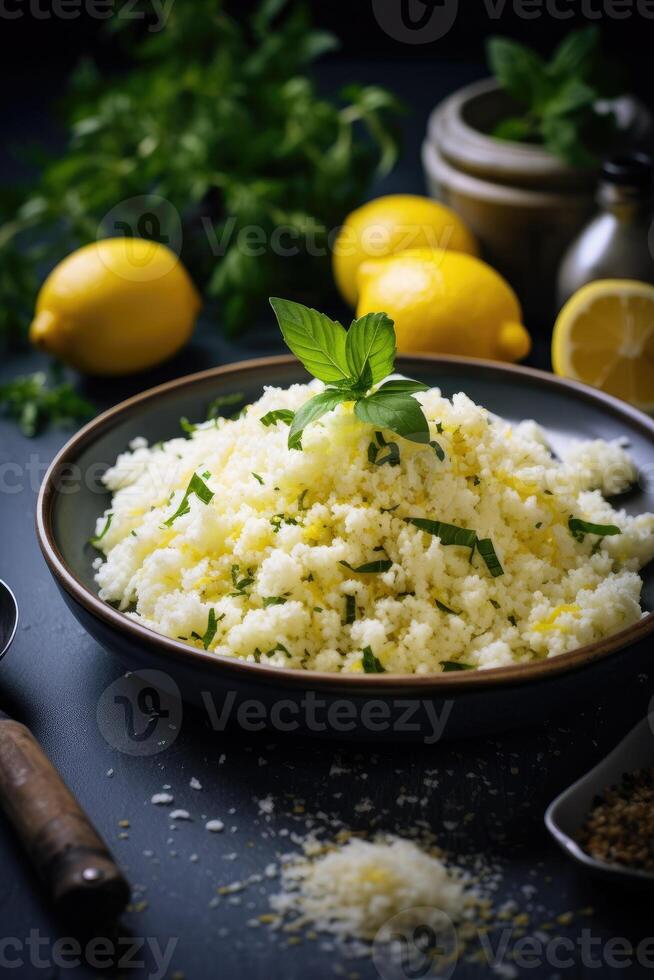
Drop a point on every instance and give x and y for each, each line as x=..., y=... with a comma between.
x=367, y=706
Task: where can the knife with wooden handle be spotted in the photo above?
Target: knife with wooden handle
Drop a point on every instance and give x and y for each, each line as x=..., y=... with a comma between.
x=82, y=877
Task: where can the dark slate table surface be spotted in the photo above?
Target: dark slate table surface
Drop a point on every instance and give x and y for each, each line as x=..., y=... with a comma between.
x=479, y=796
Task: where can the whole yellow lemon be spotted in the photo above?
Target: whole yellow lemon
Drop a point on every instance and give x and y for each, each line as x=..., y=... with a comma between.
x=393, y=224
x=445, y=302
x=116, y=306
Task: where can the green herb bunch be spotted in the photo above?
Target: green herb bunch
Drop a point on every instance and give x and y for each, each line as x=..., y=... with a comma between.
x=560, y=96
x=351, y=363
x=33, y=403
x=217, y=116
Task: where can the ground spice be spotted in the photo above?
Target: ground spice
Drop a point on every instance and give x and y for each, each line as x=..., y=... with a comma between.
x=620, y=827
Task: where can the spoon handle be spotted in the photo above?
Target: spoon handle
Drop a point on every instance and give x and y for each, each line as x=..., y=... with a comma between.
x=76, y=865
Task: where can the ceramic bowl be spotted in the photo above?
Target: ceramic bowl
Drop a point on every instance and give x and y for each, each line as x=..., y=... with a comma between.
x=465, y=702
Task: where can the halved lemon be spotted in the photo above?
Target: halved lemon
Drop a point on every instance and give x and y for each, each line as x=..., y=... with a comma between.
x=604, y=335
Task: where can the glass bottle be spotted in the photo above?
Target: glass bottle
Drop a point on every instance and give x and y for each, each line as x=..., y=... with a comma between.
x=618, y=243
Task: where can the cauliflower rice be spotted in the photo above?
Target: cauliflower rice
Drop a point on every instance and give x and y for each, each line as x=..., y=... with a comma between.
x=257, y=571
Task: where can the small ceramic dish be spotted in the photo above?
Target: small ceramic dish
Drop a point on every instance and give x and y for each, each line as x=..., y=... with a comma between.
x=565, y=816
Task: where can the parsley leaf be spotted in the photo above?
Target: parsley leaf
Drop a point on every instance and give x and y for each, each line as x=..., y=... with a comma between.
x=448, y=533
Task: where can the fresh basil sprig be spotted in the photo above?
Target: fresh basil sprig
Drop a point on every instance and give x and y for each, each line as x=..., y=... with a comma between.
x=351, y=363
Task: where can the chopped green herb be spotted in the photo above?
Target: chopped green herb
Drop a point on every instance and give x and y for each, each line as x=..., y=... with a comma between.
x=273, y=600
x=350, y=609
x=392, y=457
x=187, y=426
x=212, y=626
x=258, y=478
x=538, y=525
x=451, y=665
x=494, y=603
x=382, y=565
x=223, y=401
x=134, y=534
x=580, y=528
x=388, y=510
x=278, y=519
x=371, y=664
x=241, y=584
x=513, y=621
x=196, y=486
x=446, y=609
x=300, y=500
x=284, y=415
x=448, y=533
x=476, y=481
x=104, y=530
x=487, y=552
x=439, y=428
x=438, y=449
x=317, y=609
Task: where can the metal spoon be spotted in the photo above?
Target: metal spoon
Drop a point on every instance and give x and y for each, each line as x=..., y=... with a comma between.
x=67, y=851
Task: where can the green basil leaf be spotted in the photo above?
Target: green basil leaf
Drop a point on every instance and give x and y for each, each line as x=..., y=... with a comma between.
x=312, y=410
x=403, y=384
x=579, y=528
x=576, y=54
x=519, y=70
x=317, y=341
x=448, y=533
x=571, y=97
x=371, y=664
x=381, y=565
x=451, y=665
x=397, y=411
x=487, y=552
x=277, y=415
x=371, y=340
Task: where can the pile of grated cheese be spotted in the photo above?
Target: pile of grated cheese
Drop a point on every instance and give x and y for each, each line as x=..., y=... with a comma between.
x=322, y=559
x=353, y=891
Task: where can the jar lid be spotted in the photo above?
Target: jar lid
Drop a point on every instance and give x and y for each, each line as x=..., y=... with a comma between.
x=629, y=169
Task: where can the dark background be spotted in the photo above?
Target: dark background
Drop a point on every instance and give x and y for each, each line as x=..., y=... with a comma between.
x=38, y=50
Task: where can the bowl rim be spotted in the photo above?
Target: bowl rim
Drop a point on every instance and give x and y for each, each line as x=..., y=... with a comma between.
x=440, y=684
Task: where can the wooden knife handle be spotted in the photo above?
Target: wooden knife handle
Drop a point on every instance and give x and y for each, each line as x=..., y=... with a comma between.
x=75, y=864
